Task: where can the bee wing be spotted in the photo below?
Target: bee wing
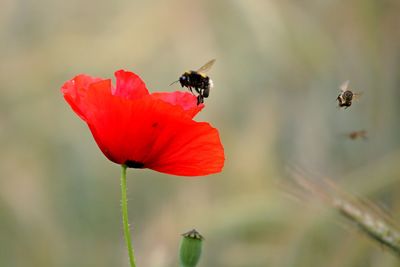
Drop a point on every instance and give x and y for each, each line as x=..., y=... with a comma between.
x=363, y=134
x=356, y=96
x=360, y=135
x=344, y=86
x=348, y=135
x=206, y=67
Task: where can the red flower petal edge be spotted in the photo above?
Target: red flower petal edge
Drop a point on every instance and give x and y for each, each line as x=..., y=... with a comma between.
x=143, y=130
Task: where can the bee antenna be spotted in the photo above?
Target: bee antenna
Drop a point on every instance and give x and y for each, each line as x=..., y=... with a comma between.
x=174, y=82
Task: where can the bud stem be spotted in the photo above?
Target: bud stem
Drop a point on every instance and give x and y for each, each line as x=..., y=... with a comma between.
x=124, y=206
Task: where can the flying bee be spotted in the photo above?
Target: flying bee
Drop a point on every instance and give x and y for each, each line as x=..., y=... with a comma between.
x=198, y=80
x=346, y=96
x=357, y=134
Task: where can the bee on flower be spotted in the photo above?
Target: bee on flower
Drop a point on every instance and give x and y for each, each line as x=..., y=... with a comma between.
x=198, y=80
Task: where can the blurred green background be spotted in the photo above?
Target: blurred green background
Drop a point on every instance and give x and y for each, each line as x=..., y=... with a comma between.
x=279, y=66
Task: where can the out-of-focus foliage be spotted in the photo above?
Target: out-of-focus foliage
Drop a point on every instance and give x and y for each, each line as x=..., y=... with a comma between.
x=279, y=65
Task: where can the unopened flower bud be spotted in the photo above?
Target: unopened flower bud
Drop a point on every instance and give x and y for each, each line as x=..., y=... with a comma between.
x=190, y=249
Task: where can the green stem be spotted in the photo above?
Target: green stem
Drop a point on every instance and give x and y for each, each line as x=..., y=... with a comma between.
x=124, y=205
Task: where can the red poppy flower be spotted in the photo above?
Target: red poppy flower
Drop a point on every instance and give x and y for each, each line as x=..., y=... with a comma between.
x=143, y=130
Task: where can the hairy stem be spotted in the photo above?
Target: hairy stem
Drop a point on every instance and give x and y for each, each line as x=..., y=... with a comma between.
x=124, y=206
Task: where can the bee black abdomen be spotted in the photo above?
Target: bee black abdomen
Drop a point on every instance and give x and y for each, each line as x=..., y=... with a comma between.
x=206, y=92
x=345, y=104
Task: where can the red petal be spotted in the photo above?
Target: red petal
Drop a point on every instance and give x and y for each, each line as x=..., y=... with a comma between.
x=129, y=85
x=154, y=133
x=75, y=92
x=186, y=100
x=193, y=151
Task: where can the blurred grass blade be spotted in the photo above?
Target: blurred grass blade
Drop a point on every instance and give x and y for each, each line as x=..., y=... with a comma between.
x=369, y=218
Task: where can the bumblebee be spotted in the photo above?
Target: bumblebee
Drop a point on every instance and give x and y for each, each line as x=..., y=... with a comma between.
x=346, y=96
x=357, y=134
x=198, y=80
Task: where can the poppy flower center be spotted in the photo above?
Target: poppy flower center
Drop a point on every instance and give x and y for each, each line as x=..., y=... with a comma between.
x=134, y=164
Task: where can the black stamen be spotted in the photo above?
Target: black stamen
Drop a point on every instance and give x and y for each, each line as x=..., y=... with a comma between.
x=134, y=164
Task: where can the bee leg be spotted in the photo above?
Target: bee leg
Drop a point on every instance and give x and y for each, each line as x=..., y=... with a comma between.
x=197, y=90
x=191, y=90
x=200, y=99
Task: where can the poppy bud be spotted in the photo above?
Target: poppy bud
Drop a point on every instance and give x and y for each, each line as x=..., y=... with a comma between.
x=190, y=249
